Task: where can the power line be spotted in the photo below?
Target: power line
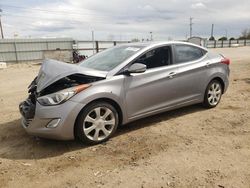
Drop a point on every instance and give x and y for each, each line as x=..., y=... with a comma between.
x=57, y=12
x=72, y=21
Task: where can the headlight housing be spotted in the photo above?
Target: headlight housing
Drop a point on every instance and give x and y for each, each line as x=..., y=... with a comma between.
x=61, y=96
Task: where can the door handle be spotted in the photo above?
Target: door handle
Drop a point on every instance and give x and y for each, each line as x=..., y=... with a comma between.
x=171, y=74
x=208, y=64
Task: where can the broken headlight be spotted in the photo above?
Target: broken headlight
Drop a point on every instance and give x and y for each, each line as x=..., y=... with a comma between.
x=61, y=96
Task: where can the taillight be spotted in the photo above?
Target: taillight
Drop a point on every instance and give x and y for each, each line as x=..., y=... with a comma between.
x=225, y=61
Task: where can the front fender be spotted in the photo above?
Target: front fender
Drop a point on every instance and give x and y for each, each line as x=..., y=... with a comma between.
x=111, y=89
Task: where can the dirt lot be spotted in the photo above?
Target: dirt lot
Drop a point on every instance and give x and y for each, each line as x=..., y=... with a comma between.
x=189, y=147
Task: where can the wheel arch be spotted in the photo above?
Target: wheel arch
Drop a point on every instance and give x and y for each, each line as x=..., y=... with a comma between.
x=219, y=79
x=104, y=99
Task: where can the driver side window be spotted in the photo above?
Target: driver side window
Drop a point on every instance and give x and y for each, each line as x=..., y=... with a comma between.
x=156, y=58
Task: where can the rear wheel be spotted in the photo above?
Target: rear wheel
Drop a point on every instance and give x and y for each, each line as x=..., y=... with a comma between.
x=213, y=94
x=97, y=123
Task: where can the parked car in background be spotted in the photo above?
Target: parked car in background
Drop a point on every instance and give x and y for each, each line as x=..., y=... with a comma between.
x=119, y=85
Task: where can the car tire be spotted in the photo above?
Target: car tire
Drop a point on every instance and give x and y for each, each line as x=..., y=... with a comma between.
x=213, y=94
x=96, y=123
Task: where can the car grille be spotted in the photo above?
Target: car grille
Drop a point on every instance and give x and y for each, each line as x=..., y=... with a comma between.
x=26, y=122
x=27, y=108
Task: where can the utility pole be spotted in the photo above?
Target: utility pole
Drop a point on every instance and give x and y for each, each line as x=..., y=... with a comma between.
x=212, y=30
x=93, y=42
x=191, y=26
x=1, y=27
x=151, y=36
x=226, y=32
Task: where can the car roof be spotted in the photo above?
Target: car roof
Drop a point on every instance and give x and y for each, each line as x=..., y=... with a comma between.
x=160, y=43
x=144, y=47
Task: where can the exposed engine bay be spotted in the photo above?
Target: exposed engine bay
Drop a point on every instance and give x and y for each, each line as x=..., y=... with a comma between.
x=27, y=107
x=69, y=81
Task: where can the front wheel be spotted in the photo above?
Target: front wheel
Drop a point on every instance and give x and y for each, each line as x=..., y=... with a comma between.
x=97, y=123
x=213, y=94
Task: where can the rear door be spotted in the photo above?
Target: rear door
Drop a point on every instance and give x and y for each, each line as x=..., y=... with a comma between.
x=192, y=62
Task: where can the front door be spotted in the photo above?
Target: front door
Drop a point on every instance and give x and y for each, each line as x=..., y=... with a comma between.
x=154, y=89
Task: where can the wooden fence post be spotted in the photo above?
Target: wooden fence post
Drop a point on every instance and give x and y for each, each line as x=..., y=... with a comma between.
x=47, y=45
x=97, y=46
x=214, y=43
x=16, y=55
x=222, y=42
x=114, y=43
x=245, y=42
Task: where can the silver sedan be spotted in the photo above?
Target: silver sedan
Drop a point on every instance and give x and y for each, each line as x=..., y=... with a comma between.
x=119, y=85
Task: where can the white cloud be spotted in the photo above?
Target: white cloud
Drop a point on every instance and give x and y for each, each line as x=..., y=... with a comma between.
x=146, y=8
x=198, y=5
x=125, y=19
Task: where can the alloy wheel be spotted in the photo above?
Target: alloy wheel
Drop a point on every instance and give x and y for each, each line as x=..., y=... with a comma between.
x=99, y=123
x=214, y=93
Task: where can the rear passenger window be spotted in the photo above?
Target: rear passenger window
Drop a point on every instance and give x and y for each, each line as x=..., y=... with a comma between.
x=186, y=53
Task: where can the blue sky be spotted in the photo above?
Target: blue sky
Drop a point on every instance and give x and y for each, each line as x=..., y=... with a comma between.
x=123, y=20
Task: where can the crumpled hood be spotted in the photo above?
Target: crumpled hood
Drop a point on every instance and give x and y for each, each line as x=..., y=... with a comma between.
x=52, y=71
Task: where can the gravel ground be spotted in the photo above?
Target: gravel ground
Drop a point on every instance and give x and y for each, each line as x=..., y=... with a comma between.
x=189, y=147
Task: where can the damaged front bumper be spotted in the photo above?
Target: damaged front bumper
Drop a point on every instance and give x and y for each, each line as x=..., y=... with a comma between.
x=53, y=122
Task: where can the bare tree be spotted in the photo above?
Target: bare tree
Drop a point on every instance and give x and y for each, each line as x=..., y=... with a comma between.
x=245, y=34
x=135, y=40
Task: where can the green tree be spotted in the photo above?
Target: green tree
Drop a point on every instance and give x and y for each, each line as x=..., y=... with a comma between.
x=212, y=38
x=223, y=38
x=135, y=40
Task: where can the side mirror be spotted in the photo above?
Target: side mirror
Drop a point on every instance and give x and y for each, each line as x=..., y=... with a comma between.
x=137, y=68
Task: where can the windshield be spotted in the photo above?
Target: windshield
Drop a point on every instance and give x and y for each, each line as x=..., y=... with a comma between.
x=110, y=58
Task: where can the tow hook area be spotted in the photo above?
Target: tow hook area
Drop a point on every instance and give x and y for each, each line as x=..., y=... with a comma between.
x=27, y=109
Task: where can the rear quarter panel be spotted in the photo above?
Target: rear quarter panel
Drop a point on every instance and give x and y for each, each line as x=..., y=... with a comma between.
x=217, y=70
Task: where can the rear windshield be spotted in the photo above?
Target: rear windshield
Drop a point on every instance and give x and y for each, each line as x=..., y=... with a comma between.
x=110, y=58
